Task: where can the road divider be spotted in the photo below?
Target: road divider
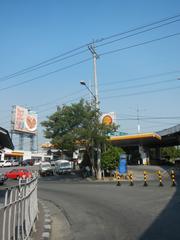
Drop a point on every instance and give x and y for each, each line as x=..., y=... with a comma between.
x=131, y=183
x=147, y=177
x=160, y=179
x=173, y=178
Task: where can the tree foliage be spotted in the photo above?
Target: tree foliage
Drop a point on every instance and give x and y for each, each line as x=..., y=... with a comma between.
x=170, y=153
x=76, y=125
x=110, y=158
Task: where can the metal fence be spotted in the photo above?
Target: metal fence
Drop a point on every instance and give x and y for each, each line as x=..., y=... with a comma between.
x=19, y=211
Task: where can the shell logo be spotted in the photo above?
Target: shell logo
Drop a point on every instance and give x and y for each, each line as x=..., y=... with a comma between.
x=107, y=120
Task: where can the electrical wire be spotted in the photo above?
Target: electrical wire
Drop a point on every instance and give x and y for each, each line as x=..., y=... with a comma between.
x=87, y=59
x=140, y=78
x=62, y=57
x=139, y=44
x=135, y=34
x=144, y=92
x=139, y=28
x=138, y=86
x=45, y=75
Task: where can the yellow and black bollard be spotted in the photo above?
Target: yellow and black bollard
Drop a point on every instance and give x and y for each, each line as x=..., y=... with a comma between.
x=131, y=179
x=145, y=179
x=118, y=181
x=173, y=178
x=160, y=178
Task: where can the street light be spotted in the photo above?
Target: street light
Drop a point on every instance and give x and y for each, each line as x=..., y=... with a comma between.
x=98, y=148
x=84, y=84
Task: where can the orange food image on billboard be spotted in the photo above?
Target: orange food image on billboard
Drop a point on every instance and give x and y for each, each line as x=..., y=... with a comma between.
x=107, y=120
x=31, y=122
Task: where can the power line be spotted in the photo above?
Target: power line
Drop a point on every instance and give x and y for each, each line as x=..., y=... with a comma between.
x=139, y=85
x=138, y=28
x=58, y=99
x=87, y=59
x=135, y=34
x=43, y=63
x=45, y=75
x=142, y=78
x=62, y=57
x=141, y=93
x=140, y=44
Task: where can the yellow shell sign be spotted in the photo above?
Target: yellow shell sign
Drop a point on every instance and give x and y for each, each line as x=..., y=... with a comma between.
x=107, y=120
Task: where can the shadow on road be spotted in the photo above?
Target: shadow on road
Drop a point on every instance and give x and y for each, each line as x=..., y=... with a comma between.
x=75, y=176
x=166, y=226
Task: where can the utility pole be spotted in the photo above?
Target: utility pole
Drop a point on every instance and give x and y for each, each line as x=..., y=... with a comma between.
x=95, y=56
x=95, y=85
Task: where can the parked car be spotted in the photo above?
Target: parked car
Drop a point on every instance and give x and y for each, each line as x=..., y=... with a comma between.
x=63, y=166
x=2, y=178
x=15, y=163
x=17, y=173
x=27, y=162
x=45, y=168
x=5, y=163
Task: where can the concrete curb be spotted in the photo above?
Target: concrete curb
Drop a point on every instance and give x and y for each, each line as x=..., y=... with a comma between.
x=47, y=225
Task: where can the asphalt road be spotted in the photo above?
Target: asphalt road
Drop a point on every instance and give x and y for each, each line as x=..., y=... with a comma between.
x=106, y=211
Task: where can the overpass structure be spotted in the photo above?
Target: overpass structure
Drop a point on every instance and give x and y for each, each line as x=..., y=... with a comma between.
x=5, y=140
x=146, y=141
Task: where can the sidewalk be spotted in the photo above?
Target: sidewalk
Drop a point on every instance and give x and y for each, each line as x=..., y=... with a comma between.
x=43, y=224
x=51, y=223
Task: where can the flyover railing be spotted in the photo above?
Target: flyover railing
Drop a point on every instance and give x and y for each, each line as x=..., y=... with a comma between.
x=19, y=211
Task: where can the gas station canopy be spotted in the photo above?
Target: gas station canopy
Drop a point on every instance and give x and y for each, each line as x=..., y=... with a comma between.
x=145, y=139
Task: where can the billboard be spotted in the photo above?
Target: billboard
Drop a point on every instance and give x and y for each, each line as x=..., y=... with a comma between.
x=24, y=120
x=108, y=118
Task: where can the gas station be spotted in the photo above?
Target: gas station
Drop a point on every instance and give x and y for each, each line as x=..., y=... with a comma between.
x=143, y=142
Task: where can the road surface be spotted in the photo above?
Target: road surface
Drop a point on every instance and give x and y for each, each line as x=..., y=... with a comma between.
x=105, y=211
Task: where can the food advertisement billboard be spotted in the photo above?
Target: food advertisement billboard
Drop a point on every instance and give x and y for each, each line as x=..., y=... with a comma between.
x=24, y=120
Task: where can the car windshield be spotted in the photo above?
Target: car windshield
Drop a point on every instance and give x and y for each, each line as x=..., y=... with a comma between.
x=65, y=165
x=46, y=165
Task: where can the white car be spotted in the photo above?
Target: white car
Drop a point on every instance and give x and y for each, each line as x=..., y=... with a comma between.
x=5, y=163
x=15, y=163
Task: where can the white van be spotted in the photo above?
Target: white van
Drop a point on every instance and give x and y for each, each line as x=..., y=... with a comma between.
x=63, y=166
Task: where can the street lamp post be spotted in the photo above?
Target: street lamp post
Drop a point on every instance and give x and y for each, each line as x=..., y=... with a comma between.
x=84, y=84
x=98, y=148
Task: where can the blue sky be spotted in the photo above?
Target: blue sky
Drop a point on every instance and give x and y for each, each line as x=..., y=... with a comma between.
x=142, y=77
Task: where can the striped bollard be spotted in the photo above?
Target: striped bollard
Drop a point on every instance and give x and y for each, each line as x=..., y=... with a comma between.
x=160, y=178
x=131, y=179
x=145, y=179
x=118, y=181
x=173, y=178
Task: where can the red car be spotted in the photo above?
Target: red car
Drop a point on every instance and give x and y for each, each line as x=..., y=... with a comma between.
x=17, y=173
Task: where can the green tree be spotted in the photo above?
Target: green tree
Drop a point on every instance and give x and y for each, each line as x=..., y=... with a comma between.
x=77, y=125
x=170, y=153
x=110, y=158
